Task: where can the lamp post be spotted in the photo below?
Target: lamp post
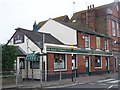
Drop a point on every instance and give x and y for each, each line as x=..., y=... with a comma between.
x=72, y=47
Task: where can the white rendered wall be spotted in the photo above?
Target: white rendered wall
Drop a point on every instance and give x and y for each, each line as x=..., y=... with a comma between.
x=60, y=31
x=24, y=46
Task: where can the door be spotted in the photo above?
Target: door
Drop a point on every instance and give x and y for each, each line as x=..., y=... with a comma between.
x=107, y=65
x=87, y=65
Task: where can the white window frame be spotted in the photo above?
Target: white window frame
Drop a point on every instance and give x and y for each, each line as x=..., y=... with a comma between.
x=101, y=64
x=106, y=44
x=113, y=28
x=118, y=29
x=98, y=43
x=88, y=41
x=65, y=63
x=117, y=7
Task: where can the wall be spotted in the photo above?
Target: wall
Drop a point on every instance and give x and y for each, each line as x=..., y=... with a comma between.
x=60, y=31
x=23, y=46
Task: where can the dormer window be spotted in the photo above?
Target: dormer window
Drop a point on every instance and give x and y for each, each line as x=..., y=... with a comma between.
x=18, y=39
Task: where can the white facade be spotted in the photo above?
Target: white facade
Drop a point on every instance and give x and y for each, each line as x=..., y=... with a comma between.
x=28, y=46
x=60, y=31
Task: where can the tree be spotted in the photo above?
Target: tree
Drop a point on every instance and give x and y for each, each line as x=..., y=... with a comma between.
x=9, y=54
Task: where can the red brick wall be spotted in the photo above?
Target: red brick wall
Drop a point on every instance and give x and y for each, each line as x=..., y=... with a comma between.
x=92, y=63
x=81, y=64
x=69, y=63
x=92, y=42
x=81, y=42
x=50, y=62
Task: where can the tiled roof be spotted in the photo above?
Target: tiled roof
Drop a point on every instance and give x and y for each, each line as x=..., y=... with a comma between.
x=77, y=26
x=20, y=52
x=64, y=18
x=37, y=37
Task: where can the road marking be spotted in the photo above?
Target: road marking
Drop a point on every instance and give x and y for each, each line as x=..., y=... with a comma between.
x=105, y=80
x=116, y=81
x=91, y=83
x=110, y=86
x=81, y=83
x=102, y=84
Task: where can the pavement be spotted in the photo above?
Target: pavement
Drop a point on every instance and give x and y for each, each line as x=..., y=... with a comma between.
x=63, y=83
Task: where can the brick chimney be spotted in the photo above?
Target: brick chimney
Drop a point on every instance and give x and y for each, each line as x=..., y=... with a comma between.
x=91, y=17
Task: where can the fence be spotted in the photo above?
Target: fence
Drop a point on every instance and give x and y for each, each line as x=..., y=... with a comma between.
x=23, y=80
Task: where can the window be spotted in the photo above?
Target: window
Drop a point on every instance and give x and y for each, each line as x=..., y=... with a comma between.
x=98, y=61
x=113, y=28
x=106, y=44
x=87, y=42
x=118, y=30
x=59, y=61
x=117, y=7
x=34, y=64
x=98, y=42
x=21, y=63
x=18, y=39
x=109, y=11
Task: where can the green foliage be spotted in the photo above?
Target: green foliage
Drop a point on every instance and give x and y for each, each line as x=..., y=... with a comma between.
x=9, y=54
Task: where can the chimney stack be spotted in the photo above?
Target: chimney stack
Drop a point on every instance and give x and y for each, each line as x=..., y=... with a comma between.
x=88, y=7
x=93, y=5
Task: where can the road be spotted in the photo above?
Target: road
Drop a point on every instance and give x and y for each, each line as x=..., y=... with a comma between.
x=106, y=84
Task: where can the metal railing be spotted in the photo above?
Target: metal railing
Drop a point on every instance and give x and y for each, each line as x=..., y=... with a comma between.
x=20, y=79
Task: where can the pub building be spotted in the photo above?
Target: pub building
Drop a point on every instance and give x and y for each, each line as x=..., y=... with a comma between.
x=61, y=47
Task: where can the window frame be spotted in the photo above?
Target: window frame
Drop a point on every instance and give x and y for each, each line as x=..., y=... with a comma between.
x=57, y=62
x=106, y=44
x=87, y=41
x=18, y=39
x=100, y=58
x=23, y=60
x=98, y=42
x=118, y=29
x=34, y=66
x=113, y=28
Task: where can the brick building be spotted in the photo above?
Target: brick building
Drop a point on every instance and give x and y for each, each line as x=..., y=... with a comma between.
x=105, y=20
x=94, y=33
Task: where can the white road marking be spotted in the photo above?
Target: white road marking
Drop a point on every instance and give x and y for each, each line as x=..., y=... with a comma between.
x=91, y=83
x=110, y=86
x=102, y=84
x=105, y=80
x=81, y=83
x=116, y=81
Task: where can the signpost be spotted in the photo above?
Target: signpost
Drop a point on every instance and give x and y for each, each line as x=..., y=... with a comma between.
x=72, y=47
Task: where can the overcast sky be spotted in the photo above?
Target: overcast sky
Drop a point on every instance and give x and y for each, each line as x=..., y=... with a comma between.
x=23, y=13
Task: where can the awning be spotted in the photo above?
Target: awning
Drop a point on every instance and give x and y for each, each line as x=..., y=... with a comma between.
x=32, y=57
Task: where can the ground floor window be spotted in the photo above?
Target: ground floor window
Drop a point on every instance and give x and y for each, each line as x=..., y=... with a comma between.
x=59, y=61
x=98, y=61
x=34, y=64
x=22, y=63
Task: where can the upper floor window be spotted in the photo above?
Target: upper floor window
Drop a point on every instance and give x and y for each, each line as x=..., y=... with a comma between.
x=113, y=28
x=106, y=44
x=118, y=30
x=18, y=39
x=98, y=42
x=117, y=8
x=87, y=42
